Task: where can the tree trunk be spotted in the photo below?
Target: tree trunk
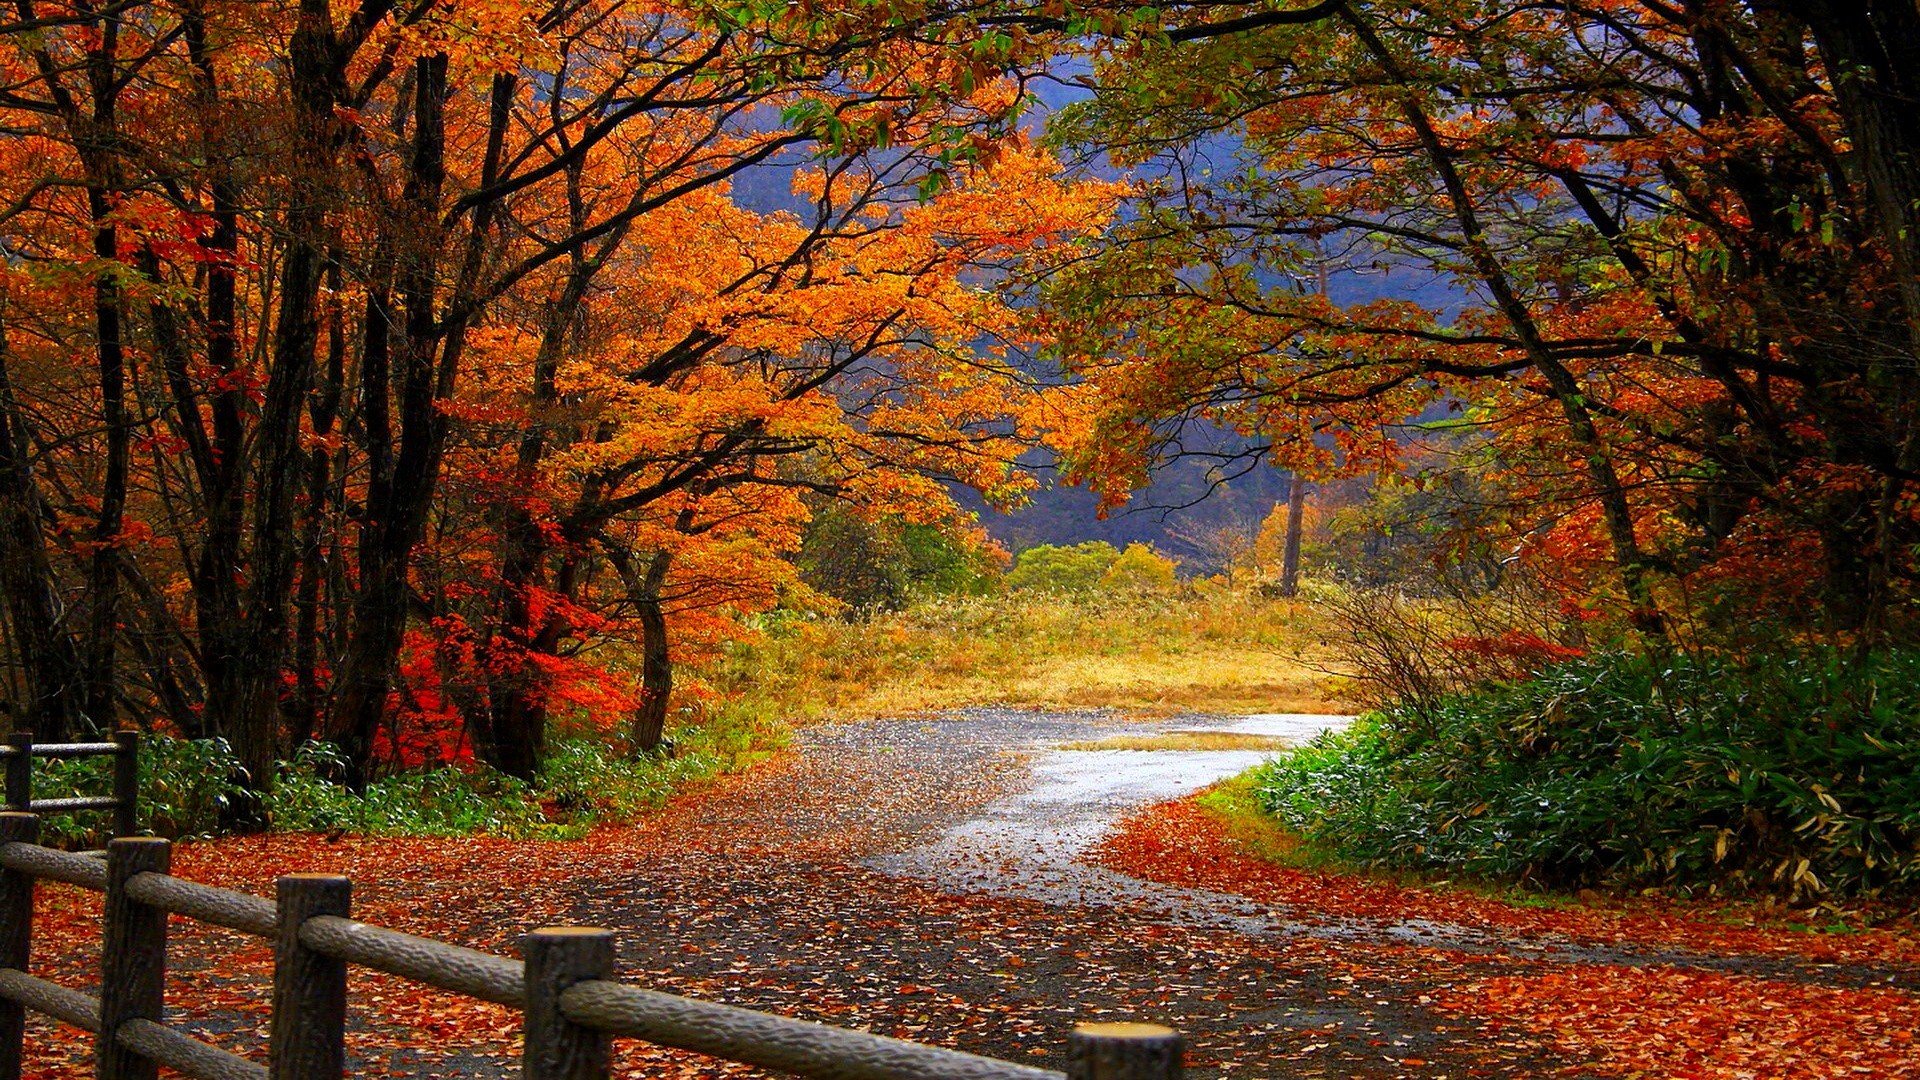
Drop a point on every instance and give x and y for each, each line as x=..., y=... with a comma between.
x=103, y=579
x=1636, y=569
x=516, y=712
x=303, y=712
x=246, y=656
x=218, y=585
x=398, y=502
x=656, y=660
x=1290, y=554
x=96, y=140
x=1875, y=48
x=48, y=660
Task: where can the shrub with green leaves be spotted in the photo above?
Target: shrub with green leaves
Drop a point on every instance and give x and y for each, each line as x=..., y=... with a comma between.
x=186, y=786
x=1138, y=569
x=888, y=563
x=584, y=781
x=1062, y=568
x=1795, y=773
x=582, y=784
x=308, y=797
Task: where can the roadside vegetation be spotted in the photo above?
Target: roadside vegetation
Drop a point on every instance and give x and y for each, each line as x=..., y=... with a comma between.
x=1514, y=737
x=193, y=789
x=1796, y=773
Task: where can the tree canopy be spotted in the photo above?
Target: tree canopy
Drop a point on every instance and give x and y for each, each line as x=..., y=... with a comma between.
x=407, y=376
x=1656, y=256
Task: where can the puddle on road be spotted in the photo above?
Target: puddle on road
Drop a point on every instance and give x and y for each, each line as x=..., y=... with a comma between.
x=1031, y=845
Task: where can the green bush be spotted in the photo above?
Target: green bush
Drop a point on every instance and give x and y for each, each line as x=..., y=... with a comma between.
x=1063, y=569
x=585, y=781
x=307, y=797
x=889, y=563
x=1797, y=774
x=582, y=783
x=185, y=789
x=1138, y=569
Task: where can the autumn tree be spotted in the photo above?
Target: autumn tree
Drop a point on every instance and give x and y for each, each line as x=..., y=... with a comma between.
x=298, y=245
x=1650, y=250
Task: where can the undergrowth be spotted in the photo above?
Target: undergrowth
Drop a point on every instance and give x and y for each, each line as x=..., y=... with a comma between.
x=1792, y=774
x=188, y=790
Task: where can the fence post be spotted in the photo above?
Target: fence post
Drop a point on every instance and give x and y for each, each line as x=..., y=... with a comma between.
x=1124, y=1052
x=20, y=772
x=556, y=1048
x=133, y=959
x=16, y=939
x=308, y=1040
x=126, y=783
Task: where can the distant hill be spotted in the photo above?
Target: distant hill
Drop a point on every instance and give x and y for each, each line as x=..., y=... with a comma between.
x=1181, y=513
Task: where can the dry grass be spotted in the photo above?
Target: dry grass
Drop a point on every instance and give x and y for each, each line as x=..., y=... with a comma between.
x=1255, y=831
x=1225, y=653
x=1182, y=740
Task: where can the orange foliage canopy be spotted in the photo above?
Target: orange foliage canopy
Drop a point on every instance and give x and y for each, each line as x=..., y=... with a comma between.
x=375, y=368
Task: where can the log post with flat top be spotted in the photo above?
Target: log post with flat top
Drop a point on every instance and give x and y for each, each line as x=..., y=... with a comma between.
x=16, y=939
x=133, y=960
x=308, y=1040
x=1124, y=1052
x=126, y=783
x=556, y=1048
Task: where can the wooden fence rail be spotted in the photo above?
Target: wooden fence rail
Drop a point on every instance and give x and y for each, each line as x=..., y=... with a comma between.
x=563, y=986
x=19, y=751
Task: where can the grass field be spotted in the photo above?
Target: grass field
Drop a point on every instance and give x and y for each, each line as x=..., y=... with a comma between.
x=1153, y=655
x=1183, y=740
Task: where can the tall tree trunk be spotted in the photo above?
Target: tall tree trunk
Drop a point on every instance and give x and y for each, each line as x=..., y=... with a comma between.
x=218, y=584
x=399, y=497
x=96, y=140
x=511, y=731
x=303, y=709
x=1290, y=553
x=1873, y=49
x=48, y=660
x=252, y=658
x=1636, y=569
x=103, y=579
x=656, y=658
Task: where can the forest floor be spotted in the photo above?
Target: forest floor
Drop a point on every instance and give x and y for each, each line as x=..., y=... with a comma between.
x=964, y=880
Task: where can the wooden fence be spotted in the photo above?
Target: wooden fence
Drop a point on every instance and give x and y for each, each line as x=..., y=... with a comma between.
x=563, y=986
x=20, y=750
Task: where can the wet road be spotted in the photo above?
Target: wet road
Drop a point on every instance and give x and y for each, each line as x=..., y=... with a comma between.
x=1030, y=844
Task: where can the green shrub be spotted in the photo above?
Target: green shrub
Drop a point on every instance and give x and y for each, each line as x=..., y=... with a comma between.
x=585, y=781
x=581, y=784
x=185, y=788
x=1064, y=569
x=1138, y=569
x=307, y=797
x=1795, y=773
x=888, y=563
